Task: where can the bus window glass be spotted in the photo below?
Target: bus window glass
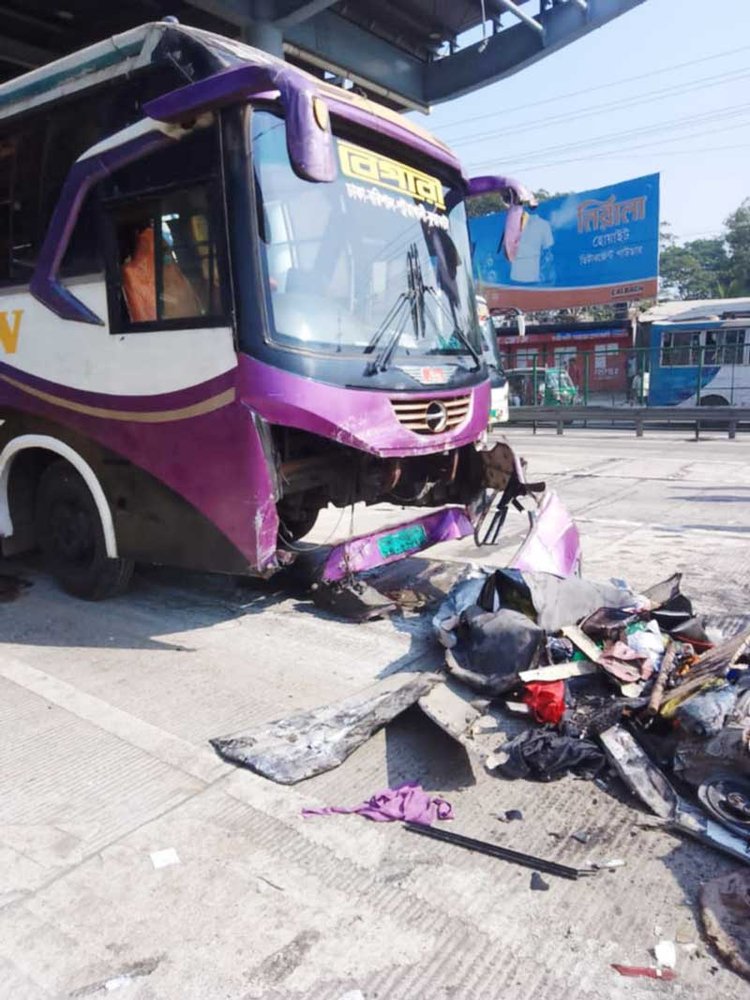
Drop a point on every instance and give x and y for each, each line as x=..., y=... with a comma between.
x=734, y=348
x=167, y=262
x=340, y=257
x=163, y=223
x=680, y=347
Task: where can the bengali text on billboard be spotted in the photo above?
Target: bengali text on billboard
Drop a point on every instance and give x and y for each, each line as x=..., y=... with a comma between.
x=589, y=248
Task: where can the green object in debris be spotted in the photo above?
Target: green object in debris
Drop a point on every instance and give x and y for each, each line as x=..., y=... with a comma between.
x=404, y=540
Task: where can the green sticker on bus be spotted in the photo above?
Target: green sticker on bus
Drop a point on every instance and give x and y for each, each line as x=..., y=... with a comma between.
x=404, y=540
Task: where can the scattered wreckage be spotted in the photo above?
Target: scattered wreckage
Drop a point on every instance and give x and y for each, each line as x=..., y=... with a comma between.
x=589, y=678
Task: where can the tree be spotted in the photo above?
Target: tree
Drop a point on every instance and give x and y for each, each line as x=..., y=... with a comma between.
x=487, y=204
x=694, y=270
x=737, y=272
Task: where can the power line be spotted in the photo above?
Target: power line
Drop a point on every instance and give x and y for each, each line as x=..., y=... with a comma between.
x=628, y=155
x=625, y=154
x=660, y=128
x=607, y=107
x=522, y=168
x=662, y=152
x=601, y=86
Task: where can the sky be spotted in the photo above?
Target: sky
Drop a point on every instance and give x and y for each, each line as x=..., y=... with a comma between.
x=686, y=116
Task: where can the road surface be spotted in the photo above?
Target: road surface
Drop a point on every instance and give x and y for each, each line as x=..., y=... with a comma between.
x=106, y=713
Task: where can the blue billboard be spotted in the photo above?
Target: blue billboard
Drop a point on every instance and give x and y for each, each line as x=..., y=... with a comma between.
x=593, y=247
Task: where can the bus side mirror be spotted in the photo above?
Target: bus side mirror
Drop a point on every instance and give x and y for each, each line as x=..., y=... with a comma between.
x=513, y=191
x=309, y=139
x=516, y=195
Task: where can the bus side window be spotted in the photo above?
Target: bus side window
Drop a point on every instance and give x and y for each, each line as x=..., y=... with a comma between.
x=734, y=347
x=163, y=228
x=166, y=267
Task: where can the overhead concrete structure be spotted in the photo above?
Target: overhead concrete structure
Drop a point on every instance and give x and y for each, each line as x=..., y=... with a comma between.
x=408, y=53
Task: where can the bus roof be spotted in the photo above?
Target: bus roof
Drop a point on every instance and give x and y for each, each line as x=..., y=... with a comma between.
x=159, y=41
x=697, y=309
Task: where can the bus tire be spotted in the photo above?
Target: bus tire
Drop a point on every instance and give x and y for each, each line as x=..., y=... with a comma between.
x=70, y=534
x=718, y=424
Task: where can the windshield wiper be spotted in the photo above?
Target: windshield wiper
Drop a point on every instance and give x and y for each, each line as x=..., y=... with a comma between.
x=398, y=311
x=411, y=301
x=457, y=331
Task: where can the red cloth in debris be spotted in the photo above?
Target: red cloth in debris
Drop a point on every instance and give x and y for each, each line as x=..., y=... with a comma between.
x=546, y=699
x=407, y=802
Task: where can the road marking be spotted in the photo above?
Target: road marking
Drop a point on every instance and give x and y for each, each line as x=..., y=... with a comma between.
x=725, y=531
x=197, y=762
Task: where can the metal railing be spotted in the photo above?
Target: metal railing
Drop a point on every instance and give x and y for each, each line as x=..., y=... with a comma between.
x=729, y=419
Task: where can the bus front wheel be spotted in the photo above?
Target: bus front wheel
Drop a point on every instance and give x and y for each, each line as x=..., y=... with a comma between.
x=70, y=534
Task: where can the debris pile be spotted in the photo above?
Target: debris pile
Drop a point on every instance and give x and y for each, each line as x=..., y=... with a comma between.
x=609, y=677
x=584, y=678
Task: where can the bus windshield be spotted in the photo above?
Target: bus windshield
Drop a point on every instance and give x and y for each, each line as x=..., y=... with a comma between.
x=370, y=265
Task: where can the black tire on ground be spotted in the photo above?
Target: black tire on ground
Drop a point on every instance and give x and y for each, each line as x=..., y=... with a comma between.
x=714, y=401
x=70, y=534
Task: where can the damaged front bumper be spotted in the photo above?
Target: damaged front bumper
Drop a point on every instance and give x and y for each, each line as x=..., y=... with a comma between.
x=551, y=545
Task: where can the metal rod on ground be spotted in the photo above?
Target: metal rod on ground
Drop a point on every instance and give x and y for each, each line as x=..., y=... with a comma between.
x=495, y=851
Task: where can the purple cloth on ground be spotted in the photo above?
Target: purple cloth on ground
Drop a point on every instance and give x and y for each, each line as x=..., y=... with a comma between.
x=407, y=802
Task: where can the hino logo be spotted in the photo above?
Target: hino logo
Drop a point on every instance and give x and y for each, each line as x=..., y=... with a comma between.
x=436, y=417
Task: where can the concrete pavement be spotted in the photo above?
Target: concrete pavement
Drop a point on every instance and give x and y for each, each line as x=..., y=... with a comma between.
x=105, y=713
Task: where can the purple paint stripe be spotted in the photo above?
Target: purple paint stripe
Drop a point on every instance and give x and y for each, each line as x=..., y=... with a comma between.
x=240, y=82
x=158, y=401
x=215, y=461
x=228, y=87
x=45, y=283
x=360, y=418
x=310, y=145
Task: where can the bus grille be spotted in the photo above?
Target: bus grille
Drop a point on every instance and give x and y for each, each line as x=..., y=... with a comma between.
x=432, y=416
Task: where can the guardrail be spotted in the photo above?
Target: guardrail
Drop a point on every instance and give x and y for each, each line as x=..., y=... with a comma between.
x=729, y=418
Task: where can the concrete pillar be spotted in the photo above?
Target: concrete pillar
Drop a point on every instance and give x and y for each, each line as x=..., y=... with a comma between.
x=264, y=35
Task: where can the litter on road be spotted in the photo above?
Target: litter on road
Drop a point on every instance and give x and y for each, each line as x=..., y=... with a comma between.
x=550, y=674
x=408, y=803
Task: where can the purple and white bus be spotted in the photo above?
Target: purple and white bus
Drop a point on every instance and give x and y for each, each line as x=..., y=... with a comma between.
x=230, y=295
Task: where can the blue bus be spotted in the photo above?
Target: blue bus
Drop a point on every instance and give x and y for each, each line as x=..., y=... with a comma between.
x=701, y=361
